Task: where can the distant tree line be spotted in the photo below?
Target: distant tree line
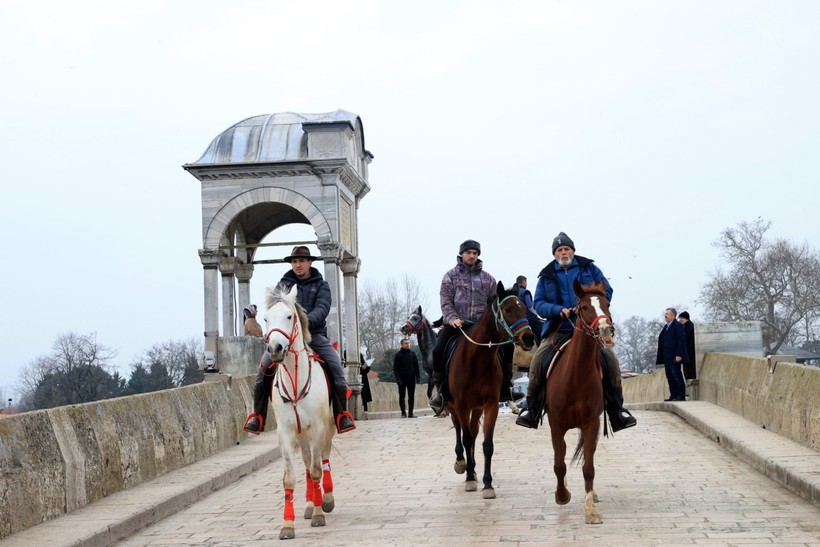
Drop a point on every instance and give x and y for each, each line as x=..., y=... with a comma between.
x=79, y=369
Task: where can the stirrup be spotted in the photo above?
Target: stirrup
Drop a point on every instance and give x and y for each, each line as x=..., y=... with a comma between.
x=261, y=423
x=347, y=415
x=526, y=418
x=623, y=422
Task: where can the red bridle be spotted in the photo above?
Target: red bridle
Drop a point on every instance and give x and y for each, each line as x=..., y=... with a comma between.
x=288, y=392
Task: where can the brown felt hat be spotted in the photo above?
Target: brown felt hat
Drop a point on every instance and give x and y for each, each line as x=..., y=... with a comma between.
x=300, y=252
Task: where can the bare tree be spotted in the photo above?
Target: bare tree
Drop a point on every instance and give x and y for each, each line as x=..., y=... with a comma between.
x=177, y=357
x=637, y=342
x=383, y=309
x=77, y=370
x=776, y=282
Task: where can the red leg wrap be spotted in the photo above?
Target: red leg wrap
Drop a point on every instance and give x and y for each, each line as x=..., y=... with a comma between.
x=317, y=494
x=289, y=513
x=327, y=479
x=309, y=489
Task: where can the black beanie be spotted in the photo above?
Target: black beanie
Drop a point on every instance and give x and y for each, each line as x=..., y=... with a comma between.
x=684, y=314
x=469, y=244
x=562, y=239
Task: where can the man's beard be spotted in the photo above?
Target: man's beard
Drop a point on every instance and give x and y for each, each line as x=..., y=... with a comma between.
x=564, y=261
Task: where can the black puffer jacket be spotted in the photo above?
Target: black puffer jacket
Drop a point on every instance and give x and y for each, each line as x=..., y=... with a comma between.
x=313, y=294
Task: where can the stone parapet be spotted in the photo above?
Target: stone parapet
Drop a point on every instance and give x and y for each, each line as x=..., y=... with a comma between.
x=58, y=460
x=784, y=398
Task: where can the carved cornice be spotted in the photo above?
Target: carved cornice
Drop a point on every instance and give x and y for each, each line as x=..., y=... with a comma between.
x=210, y=258
x=331, y=251
x=258, y=170
x=350, y=266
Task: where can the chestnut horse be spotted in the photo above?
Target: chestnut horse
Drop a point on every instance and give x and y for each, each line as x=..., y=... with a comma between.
x=575, y=397
x=474, y=377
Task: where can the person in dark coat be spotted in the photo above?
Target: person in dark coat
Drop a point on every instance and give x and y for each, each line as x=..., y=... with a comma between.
x=407, y=373
x=689, y=366
x=672, y=354
x=313, y=294
x=367, y=395
x=525, y=296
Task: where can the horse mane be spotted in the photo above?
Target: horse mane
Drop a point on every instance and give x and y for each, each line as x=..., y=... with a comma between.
x=281, y=293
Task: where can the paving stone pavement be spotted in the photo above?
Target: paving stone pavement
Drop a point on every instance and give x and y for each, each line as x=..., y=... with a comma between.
x=661, y=483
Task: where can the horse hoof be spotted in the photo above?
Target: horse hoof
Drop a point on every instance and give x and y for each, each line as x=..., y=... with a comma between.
x=317, y=520
x=562, y=501
x=593, y=519
x=309, y=511
x=470, y=486
x=328, y=503
x=488, y=493
x=287, y=533
x=460, y=467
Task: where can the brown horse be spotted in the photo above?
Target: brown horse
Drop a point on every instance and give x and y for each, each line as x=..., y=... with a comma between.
x=475, y=379
x=575, y=397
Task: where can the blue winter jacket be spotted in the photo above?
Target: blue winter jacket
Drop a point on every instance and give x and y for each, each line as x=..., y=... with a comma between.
x=555, y=292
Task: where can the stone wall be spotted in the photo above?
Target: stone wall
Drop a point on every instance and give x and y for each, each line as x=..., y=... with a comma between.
x=54, y=461
x=386, y=397
x=784, y=398
x=239, y=355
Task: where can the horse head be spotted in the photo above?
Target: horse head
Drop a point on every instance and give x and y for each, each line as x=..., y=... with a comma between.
x=413, y=324
x=511, y=314
x=593, y=312
x=284, y=323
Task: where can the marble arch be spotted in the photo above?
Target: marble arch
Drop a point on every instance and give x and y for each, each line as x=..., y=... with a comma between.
x=269, y=171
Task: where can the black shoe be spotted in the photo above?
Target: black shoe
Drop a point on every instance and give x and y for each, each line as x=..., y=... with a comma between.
x=412, y=416
x=437, y=403
x=667, y=400
x=527, y=419
x=403, y=415
x=253, y=425
x=345, y=423
x=623, y=420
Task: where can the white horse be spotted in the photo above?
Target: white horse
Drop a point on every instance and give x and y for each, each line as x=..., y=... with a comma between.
x=301, y=405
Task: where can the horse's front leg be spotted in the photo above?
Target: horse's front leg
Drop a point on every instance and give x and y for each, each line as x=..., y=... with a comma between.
x=490, y=417
x=590, y=443
x=288, y=481
x=313, y=466
x=470, y=434
x=328, y=501
x=461, y=465
x=559, y=447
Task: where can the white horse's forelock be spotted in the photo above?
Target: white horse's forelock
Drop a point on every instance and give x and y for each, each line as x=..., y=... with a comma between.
x=287, y=295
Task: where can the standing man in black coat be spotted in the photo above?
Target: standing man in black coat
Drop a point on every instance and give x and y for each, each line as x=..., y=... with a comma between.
x=407, y=373
x=689, y=366
x=672, y=354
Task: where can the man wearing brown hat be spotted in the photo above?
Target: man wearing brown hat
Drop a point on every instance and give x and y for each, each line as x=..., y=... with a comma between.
x=313, y=294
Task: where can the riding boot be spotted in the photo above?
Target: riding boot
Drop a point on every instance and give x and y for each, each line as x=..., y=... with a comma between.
x=437, y=401
x=619, y=417
x=255, y=422
x=531, y=417
x=342, y=418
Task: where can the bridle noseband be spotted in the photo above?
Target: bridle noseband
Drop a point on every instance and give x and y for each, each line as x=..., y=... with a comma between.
x=521, y=325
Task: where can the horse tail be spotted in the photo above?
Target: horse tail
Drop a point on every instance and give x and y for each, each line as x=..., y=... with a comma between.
x=579, y=450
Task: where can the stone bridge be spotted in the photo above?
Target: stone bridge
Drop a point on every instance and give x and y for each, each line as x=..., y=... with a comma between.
x=712, y=471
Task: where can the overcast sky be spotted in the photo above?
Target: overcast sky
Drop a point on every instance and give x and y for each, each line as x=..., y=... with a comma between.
x=640, y=128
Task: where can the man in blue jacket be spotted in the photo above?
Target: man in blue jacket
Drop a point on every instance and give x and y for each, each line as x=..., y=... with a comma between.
x=672, y=354
x=556, y=302
x=313, y=294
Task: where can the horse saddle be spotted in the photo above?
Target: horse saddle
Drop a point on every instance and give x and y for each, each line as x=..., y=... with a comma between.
x=554, y=352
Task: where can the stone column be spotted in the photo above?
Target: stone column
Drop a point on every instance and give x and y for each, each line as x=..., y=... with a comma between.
x=227, y=266
x=331, y=253
x=350, y=269
x=210, y=262
x=243, y=273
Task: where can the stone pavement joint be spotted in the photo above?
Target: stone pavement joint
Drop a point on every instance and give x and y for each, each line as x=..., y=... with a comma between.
x=775, y=456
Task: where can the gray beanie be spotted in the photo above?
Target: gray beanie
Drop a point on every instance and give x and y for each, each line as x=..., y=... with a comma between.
x=469, y=244
x=562, y=239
